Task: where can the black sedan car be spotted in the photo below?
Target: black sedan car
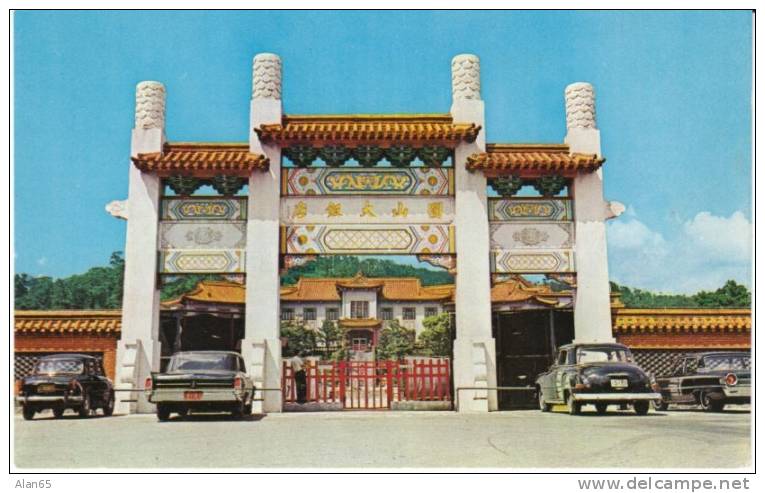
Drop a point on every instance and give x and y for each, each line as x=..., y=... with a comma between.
x=67, y=381
x=202, y=381
x=710, y=380
x=598, y=373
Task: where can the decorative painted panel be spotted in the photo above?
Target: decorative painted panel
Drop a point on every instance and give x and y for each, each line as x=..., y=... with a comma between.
x=201, y=261
x=366, y=210
x=511, y=236
x=538, y=261
x=229, y=209
x=360, y=239
x=206, y=235
x=530, y=210
x=378, y=181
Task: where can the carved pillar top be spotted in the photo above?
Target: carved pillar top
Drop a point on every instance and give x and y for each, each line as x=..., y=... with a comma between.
x=149, y=105
x=466, y=77
x=580, y=106
x=266, y=76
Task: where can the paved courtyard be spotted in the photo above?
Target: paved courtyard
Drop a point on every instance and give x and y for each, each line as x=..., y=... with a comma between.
x=513, y=439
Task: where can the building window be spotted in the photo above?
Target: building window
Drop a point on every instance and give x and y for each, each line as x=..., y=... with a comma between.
x=410, y=313
x=431, y=311
x=309, y=313
x=288, y=314
x=387, y=313
x=359, y=309
x=331, y=314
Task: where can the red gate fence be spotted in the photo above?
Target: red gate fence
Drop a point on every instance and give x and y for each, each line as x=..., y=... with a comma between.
x=370, y=384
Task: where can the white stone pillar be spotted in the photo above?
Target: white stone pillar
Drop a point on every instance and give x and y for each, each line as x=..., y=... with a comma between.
x=592, y=311
x=138, y=350
x=261, y=346
x=474, y=346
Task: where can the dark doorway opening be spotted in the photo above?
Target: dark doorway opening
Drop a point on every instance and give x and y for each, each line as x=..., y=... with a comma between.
x=200, y=332
x=526, y=342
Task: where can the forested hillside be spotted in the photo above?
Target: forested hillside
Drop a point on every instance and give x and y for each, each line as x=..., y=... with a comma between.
x=101, y=287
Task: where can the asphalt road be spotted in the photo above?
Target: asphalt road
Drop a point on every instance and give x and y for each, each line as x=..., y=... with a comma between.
x=514, y=439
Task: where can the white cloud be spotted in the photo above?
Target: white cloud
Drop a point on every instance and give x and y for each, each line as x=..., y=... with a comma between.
x=42, y=261
x=702, y=254
x=723, y=237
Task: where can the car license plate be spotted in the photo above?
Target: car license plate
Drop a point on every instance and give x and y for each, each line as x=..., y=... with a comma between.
x=46, y=388
x=619, y=383
x=192, y=396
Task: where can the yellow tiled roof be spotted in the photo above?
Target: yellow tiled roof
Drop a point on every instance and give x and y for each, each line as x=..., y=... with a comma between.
x=682, y=320
x=359, y=323
x=532, y=159
x=212, y=292
x=368, y=129
x=67, y=321
x=517, y=290
x=393, y=288
x=202, y=159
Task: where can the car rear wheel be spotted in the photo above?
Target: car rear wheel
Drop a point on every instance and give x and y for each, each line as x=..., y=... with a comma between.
x=641, y=407
x=238, y=410
x=574, y=407
x=543, y=406
x=85, y=407
x=660, y=405
x=710, y=404
x=163, y=413
x=28, y=413
x=58, y=412
x=601, y=407
x=109, y=407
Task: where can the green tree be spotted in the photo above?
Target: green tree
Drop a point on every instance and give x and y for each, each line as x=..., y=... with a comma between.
x=331, y=337
x=396, y=341
x=436, y=337
x=301, y=341
x=731, y=295
x=183, y=284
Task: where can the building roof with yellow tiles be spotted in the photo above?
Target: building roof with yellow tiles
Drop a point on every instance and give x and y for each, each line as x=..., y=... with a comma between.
x=202, y=159
x=641, y=320
x=70, y=322
x=359, y=323
x=381, y=130
x=392, y=288
x=530, y=160
x=227, y=292
x=516, y=289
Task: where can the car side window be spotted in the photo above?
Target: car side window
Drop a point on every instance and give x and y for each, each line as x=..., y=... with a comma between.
x=100, y=369
x=241, y=363
x=561, y=357
x=91, y=368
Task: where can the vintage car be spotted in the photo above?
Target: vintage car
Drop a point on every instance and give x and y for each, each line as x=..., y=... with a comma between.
x=206, y=381
x=598, y=373
x=710, y=379
x=66, y=381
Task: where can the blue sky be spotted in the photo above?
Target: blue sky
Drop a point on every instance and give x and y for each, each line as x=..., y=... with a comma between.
x=673, y=102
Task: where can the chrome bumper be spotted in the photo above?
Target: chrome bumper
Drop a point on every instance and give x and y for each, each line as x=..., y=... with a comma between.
x=737, y=391
x=211, y=395
x=49, y=399
x=643, y=396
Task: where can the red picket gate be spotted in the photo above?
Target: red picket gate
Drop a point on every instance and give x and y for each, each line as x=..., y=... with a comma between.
x=370, y=384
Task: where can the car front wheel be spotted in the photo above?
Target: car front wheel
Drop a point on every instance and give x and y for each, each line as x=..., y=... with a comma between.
x=85, y=408
x=660, y=405
x=28, y=413
x=58, y=412
x=601, y=408
x=109, y=407
x=574, y=407
x=163, y=413
x=543, y=406
x=641, y=407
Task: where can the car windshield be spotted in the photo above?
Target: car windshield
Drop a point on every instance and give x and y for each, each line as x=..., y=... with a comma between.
x=602, y=354
x=203, y=361
x=727, y=362
x=59, y=366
